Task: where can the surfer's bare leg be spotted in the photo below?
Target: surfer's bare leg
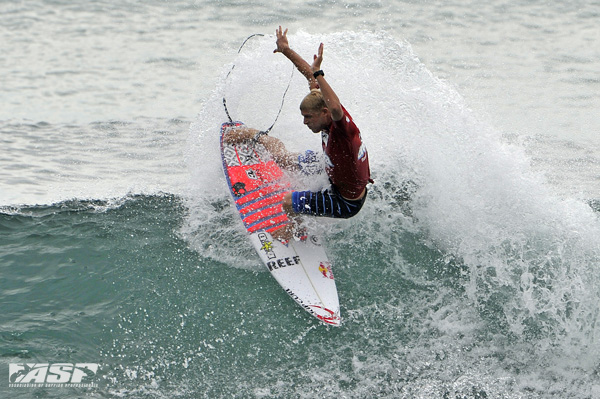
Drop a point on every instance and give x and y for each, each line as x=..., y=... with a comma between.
x=284, y=233
x=287, y=205
x=285, y=159
x=287, y=232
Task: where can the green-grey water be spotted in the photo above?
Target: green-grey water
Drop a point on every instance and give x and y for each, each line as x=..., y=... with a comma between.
x=116, y=284
x=471, y=272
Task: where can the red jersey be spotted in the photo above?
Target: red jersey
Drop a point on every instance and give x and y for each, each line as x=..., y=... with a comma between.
x=346, y=157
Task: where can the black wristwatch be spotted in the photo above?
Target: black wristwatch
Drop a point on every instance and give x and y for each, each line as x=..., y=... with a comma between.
x=319, y=72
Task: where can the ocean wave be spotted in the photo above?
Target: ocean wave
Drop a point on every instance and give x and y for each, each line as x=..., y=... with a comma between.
x=76, y=205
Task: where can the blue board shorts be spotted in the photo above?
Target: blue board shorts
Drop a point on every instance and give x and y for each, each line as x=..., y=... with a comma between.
x=328, y=203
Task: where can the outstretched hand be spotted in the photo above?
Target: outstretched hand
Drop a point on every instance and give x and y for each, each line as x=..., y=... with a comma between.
x=317, y=59
x=303, y=66
x=282, y=41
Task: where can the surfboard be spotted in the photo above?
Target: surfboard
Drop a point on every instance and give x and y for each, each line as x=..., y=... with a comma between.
x=300, y=265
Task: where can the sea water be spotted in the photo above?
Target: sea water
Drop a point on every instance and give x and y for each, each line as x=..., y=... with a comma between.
x=471, y=272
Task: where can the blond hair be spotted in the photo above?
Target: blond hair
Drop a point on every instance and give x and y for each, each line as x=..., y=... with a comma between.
x=313, y=101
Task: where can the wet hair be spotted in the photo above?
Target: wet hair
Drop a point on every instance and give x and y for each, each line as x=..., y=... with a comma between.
x=313, y=101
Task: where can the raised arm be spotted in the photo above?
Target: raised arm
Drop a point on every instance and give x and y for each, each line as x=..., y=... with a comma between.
x=331, y=99
x=304, y=67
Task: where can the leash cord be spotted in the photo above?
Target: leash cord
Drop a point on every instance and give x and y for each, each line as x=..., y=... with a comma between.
x=282, y=98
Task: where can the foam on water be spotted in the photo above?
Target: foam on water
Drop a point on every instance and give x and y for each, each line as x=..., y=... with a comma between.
x=484, y=284
x=464, y=275
x=511, y=264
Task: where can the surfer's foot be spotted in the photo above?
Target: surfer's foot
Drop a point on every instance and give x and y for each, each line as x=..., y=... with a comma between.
x=285, y=233
x=290, y=231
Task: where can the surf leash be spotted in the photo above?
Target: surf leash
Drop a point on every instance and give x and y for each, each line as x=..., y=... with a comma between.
x=262, y=132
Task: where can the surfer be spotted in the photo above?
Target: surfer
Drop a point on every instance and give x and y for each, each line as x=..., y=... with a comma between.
x=346, y=158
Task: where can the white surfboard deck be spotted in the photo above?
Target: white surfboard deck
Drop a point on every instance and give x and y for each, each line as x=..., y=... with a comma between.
x=303, y=271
